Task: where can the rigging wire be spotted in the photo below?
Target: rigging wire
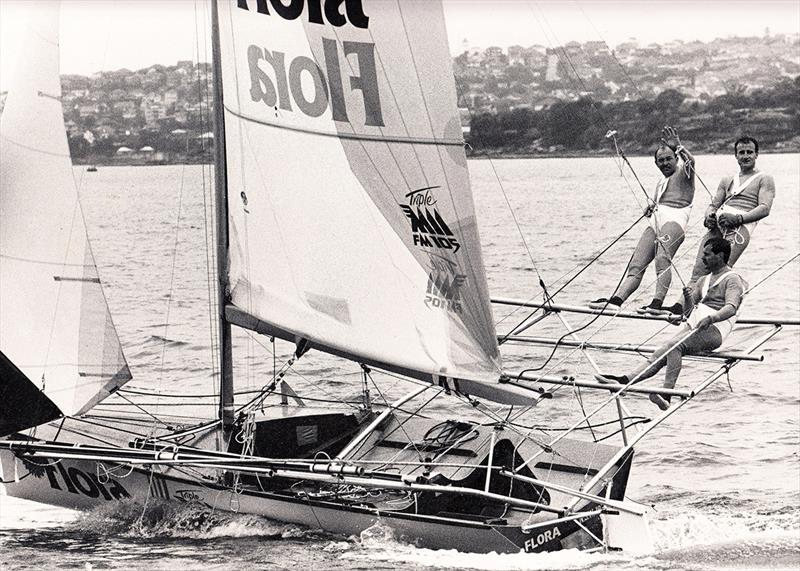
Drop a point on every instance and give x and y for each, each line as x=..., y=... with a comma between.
x=610, y=133
x=783, y=264
x=156, y=420
x=772, y=273
x=519, y=230
x=171, y=289
x=317, y=386
x=584, y=267
x=595, y=425
x=572, y=332
x=400, y=424
x=207, y=192
x=630, y=80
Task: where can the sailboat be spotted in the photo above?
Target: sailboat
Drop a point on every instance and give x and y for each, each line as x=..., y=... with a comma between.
x=345, y=225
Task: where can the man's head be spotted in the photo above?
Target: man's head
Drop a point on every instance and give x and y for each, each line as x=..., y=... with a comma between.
x=746, y=151
x=666, y=161
x=716, y=252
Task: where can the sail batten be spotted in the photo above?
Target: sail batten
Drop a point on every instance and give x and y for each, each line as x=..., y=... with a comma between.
x=350, y=135
x=351, y=219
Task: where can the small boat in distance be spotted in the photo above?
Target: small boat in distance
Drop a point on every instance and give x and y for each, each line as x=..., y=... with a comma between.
x=91, y=168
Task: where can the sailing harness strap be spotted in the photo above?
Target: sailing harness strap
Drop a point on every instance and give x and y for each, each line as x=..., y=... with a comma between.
x=703, y=310
x=736, y=187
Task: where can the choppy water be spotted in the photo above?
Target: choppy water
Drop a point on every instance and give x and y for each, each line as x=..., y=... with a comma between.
x=724, y=474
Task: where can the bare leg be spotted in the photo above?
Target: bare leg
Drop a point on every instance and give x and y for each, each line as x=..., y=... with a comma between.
x=739, y=239
x=674, y=364
x=671, y=238
x=658, y=359
x=700, y=341
x=671, y=354
x=642, y=256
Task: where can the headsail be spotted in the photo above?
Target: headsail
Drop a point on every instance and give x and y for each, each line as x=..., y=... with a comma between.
x=55, y=328
x=352, y=224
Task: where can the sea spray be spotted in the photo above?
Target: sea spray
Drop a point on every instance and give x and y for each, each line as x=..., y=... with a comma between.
x=191, y=520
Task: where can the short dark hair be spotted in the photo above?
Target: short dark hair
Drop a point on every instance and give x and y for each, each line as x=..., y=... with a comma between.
x=719, y=245
x=745, y=139
x=663, y=146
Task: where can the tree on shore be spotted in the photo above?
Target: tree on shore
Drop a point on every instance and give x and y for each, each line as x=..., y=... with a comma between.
x=772, y=115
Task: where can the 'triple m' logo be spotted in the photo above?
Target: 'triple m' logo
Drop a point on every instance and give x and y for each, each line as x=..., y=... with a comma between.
x=428, y=228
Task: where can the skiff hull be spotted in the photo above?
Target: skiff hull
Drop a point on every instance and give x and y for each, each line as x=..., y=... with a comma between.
x=84, y=485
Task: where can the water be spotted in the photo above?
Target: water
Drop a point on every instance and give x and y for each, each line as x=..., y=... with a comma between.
x=724, y=474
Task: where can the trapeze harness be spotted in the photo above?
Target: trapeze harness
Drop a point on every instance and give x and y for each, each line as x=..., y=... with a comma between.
x=663, y=213
x=736, y=188
x=702, y=310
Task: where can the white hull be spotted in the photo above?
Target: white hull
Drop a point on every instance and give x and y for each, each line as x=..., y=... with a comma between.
x=84, y=485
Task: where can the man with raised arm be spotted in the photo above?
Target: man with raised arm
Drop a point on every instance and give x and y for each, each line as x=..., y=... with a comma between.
x=714, y=302
x=668, y=213
x=740, y=202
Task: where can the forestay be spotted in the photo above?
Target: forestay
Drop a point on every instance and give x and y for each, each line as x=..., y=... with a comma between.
x=55, y=328
x=352, y=223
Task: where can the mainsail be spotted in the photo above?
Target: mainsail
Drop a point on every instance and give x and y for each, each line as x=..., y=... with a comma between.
x=55, y=328
x=352, y=224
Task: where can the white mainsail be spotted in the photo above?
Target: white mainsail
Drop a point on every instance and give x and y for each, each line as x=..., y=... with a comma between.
x=55, y=326
x=352, y=224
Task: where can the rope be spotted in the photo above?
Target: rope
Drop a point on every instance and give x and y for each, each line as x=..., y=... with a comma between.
x=550, y=297
x=772, y=273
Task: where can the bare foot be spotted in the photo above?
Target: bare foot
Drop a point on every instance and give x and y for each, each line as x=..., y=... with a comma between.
x=660, y=401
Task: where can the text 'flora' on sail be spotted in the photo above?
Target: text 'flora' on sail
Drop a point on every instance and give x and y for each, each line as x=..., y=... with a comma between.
x=352, y=223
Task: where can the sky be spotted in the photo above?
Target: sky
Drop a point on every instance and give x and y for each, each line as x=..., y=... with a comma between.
x=111, y=34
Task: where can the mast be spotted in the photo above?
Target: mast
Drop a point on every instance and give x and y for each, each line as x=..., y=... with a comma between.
x=226, y=406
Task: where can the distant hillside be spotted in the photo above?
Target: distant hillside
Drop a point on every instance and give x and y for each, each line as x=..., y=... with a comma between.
x=579, y=127
x=520, y=101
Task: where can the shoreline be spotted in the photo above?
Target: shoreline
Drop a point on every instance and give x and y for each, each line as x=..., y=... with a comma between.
x=112, y=162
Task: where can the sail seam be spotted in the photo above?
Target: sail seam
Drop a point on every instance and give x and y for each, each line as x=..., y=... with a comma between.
x=354, y=136
x=35, y=150
x=46, y=263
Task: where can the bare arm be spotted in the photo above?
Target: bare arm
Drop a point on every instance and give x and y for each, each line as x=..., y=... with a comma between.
x=669, y=136
x=719, y=195
x=691, y=296
x=710, y=220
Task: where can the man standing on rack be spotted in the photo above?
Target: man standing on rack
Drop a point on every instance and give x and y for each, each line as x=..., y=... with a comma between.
x=740, y=202
x=718, y=297
x=668, y=213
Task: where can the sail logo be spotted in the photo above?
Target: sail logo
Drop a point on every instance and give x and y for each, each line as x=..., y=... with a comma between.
x=318, y=11
x=187, y=495
x=444, y=286
x=84, y=483
x=279, y=86
x=428, y=228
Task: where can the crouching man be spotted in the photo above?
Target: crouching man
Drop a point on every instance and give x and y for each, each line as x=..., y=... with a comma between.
x=715, y=301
